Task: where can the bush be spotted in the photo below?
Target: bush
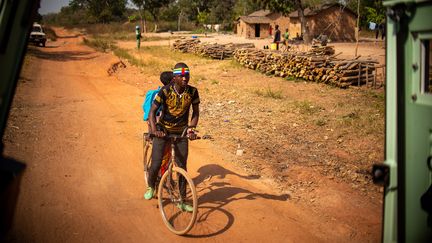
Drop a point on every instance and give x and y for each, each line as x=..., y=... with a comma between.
x=50, y=33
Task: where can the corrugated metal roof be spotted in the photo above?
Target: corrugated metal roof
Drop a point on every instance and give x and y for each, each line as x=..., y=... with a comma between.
x=255, y=20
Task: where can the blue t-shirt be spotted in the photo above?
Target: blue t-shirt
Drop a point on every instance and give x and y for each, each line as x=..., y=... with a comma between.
x=150, y=96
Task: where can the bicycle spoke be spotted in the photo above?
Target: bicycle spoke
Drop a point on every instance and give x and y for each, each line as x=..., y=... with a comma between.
x=177, y=207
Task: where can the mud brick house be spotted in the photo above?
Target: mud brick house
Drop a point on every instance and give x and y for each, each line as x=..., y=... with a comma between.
x=333, y=20
x=260, y=24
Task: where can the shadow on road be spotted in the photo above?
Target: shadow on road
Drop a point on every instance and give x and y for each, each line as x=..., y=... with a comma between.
x=62, y=56
x=213, y=218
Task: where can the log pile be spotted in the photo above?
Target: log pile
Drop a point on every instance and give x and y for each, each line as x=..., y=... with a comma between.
x=317, y=65
x=213, y=50
x=185, y=45
x=308, y=66
x=322, y=50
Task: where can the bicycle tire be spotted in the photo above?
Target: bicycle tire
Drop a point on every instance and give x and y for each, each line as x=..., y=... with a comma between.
x=146, y=158
x=178, y=221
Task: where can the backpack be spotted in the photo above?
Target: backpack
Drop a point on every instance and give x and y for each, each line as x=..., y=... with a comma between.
x=150, y=95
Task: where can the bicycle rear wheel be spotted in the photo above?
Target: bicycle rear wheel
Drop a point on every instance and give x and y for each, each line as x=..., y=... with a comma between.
x=171, y=202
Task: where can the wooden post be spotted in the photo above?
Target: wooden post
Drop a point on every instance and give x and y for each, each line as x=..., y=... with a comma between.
x=367, y=75
x=375, y=77
x=359, y=74
x=357, y=28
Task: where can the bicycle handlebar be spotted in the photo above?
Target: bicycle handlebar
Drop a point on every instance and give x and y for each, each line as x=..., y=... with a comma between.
x=151, y=135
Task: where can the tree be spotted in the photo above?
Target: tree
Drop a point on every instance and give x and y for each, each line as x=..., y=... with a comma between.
x=370, y=10
x=285, y=7
x=222, y=12
x=141, y=8
x=101, y=10
x=245, y=7
x=153, y=7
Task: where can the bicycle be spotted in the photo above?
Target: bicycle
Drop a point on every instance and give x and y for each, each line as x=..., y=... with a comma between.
x=176, y=218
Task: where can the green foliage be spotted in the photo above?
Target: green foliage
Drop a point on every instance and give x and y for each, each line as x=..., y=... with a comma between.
x=284, y=7
x=245, y=7
x=152, y=6
x=101, y=11
x=188, y=14
x=373, y=16
x=203, y=17
x=369, y=10
x=133, y=18
x=67, y=17
x=221, y=12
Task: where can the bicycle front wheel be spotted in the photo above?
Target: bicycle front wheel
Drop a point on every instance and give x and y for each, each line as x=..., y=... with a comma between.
x=178, y=202
x=147, y=149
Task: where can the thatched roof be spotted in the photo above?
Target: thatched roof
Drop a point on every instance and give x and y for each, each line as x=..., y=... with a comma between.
x=257, y=17
x=260, y=13
x=319, y=8
x=255, y=20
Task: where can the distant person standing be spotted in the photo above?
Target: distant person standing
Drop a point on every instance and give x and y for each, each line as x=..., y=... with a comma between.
x=286, y=38
x=138, y=36
x=377, y=30
x=277, y=37
x=382, y=27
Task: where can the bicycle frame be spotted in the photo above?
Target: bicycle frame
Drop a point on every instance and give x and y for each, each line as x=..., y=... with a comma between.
x=174, y=184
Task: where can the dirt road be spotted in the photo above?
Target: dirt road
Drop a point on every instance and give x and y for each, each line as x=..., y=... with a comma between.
x=79, y=132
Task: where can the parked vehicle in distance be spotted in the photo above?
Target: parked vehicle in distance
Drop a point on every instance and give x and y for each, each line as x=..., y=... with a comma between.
x=37, y=35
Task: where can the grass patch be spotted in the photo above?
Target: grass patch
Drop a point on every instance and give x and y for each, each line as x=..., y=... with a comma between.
x=269, y=93
x=321, y=122
x=155, y=38
x=380, y=95
x=232, y=64
x=352, y=115
x=352, y=119
x=124, y=54
x=306, y=107
x=99, y=44
x=214, y=81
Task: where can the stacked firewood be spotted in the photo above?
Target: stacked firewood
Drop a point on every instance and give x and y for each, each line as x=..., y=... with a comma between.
x=213, y=50
x=185, y=45
x=317, y=68
x=322, y=50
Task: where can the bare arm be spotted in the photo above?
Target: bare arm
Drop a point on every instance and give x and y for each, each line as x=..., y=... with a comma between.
x=195, y=115
x=152, y=122
x=194, y=122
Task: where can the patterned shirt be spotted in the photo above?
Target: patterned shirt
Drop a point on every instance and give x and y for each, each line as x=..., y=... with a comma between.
x=175, y=107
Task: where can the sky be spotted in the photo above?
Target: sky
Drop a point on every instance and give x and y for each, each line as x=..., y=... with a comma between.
x=54, y=6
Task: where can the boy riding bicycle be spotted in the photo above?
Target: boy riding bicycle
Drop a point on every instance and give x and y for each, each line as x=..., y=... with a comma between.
x=175, y=100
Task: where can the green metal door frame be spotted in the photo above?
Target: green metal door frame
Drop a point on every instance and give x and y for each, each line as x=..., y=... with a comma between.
x=408, y=121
